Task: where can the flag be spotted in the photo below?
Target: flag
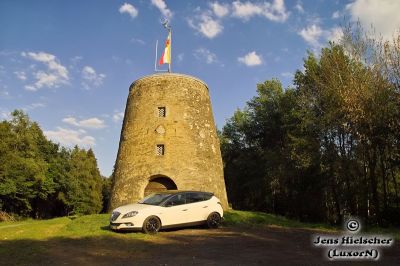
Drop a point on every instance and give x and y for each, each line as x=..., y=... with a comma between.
x=166, y=56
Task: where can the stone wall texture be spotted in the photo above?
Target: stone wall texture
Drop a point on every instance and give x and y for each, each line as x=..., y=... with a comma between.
x=192, y=158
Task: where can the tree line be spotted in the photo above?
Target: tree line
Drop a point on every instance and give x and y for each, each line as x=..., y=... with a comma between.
x=327, y=147
x=40, y=179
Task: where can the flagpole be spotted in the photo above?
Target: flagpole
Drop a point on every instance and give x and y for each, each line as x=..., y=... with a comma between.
x=155, y=60
x=166, y=25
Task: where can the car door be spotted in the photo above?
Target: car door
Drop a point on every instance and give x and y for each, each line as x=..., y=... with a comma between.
x=175, y=210
x=196, y=208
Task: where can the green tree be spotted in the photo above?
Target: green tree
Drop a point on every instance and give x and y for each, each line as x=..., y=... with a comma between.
x=85, y=184
x=326, y=149
x=40, y=179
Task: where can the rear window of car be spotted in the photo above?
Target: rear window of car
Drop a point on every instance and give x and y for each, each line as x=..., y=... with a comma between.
x=192, y=197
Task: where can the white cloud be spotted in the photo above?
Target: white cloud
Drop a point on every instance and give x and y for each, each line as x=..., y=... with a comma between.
x=162, y=6
x=181, y=56
x=312, y=34
x=209, y=22
x=210, y=27
x=299, y=7
x=30, y=88
x=207, y=25
x=246, y=10
x=76, y=59
x=251, y=59
x=287, y=74
x=69, y=137
x=54, y=76
x=383, y=15
x=91, y=123
x=71, y=121
x=336, y=14
x=40, y=57
x=91, y=78
x=275, y=11
x=46, y=79
x=220, y=10
x=94, y=123
x=205, y=55
x=20, y=75
x=315, y=36
x=33, y=106
x=138, y=41
x=335, y=34
x=4, y=94
x=129, y=9
x=118, y=116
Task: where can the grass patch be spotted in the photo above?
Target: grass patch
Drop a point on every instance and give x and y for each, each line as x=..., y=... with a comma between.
x=88, y=225
x=84, y=226
x=32, y=229
x=251, y=219
x=82, y=240
x=246, y=218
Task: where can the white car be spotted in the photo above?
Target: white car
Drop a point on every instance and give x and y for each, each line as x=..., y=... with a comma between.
x=168, y=209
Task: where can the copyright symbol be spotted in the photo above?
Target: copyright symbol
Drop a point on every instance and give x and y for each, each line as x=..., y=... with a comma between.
x=352, y=225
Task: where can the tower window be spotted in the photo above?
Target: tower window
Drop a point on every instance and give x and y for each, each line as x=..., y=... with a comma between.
x=160, y=150
x=161, y=112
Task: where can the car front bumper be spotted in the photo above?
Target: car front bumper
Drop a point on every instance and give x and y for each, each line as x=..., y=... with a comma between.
x=124, y=226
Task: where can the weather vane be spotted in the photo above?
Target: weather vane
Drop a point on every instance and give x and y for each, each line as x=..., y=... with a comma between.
x=165, y=23
x=166, y=56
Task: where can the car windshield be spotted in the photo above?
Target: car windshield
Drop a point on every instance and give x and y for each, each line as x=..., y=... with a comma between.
x=155, y=199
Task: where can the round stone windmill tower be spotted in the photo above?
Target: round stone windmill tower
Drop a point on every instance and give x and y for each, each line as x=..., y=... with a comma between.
x=168, y=140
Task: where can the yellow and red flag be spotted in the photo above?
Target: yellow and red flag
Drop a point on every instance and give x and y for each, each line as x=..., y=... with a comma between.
x=166, y=56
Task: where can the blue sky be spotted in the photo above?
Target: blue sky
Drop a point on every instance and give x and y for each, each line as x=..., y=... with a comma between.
x=69, y=64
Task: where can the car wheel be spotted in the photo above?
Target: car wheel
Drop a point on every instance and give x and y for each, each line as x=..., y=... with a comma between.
x=151, y=225
x=214, y=220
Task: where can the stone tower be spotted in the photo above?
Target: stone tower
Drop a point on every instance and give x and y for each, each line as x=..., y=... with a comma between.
x=168, y=140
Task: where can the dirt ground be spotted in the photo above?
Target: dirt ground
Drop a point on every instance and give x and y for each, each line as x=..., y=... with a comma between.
x=194, y=246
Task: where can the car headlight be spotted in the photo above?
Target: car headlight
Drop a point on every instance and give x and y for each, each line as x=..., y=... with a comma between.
x=129, y=214
x=114, y=216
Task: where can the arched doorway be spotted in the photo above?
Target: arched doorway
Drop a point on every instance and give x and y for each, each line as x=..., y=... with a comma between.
x=159, y=184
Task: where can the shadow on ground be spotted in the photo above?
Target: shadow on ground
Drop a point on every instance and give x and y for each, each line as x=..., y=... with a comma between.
x=226, y=246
